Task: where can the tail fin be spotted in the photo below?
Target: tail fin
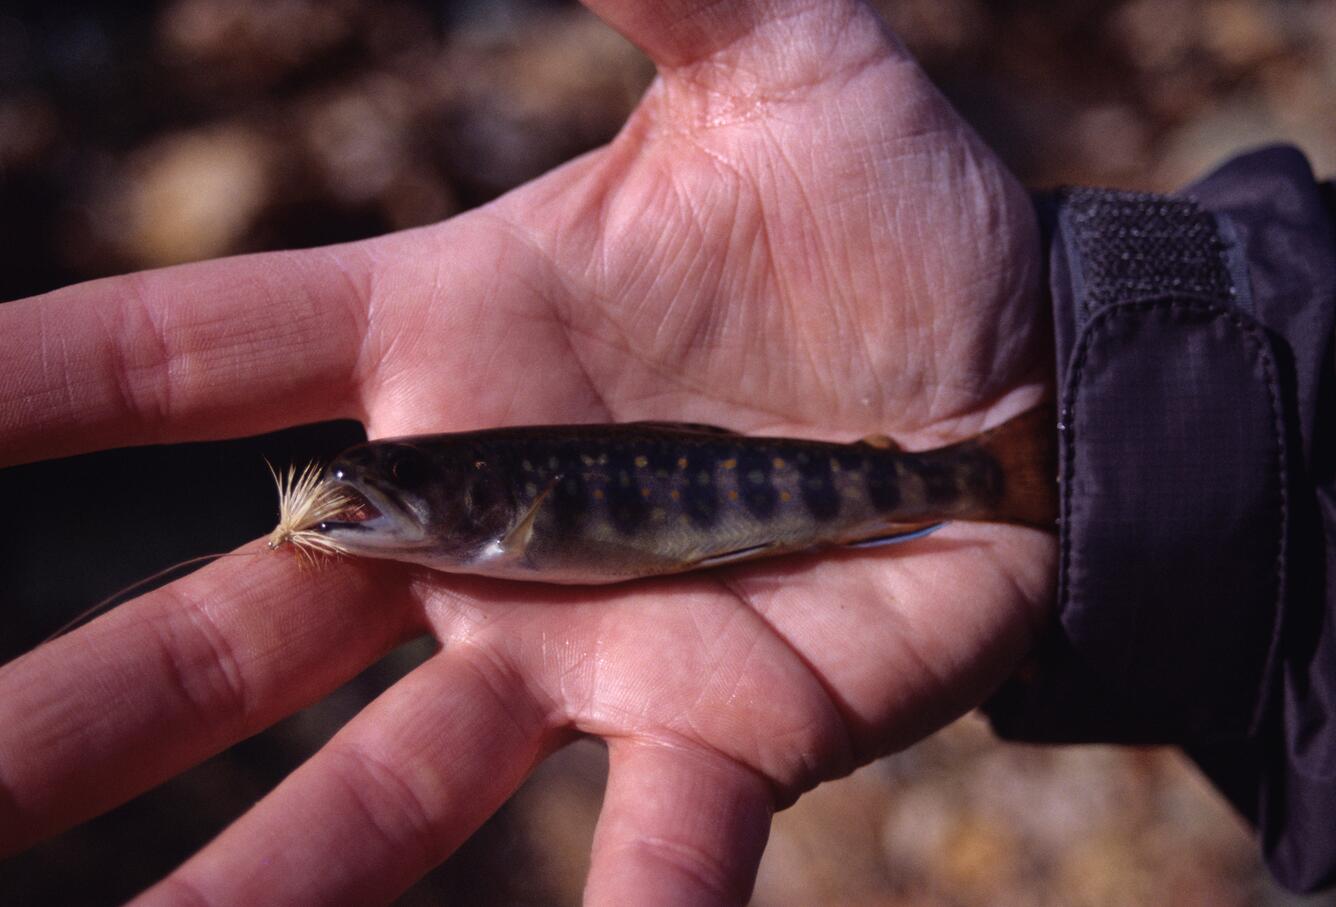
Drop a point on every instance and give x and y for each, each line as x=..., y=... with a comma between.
x=1026, y=447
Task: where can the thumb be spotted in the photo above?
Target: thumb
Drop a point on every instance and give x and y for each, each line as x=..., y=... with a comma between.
x=756, y=44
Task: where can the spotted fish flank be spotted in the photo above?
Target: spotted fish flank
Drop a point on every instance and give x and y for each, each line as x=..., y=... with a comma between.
x=603, y=503
x=699, y=493
x=755, y=488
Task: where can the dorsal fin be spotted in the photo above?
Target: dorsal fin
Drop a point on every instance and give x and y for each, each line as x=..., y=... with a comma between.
x=697, y=427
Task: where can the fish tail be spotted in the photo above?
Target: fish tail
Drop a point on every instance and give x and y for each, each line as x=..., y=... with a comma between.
x=1026, y=449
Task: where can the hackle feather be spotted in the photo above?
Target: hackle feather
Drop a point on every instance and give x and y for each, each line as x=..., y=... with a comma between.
x=305, y=500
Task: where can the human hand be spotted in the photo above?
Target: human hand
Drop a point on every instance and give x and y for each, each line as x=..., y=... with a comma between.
x=793, y=234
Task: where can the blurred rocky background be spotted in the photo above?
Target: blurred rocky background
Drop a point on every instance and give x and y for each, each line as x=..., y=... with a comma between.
x=141, y=134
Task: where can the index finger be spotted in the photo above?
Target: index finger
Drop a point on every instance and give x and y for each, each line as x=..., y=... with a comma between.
x=209, y=350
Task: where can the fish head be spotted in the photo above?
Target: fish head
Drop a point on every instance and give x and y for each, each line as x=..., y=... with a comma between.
x=417, y=501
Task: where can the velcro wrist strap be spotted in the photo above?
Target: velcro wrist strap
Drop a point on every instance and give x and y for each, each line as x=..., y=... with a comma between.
x=1173, y=475
x=1131, y=246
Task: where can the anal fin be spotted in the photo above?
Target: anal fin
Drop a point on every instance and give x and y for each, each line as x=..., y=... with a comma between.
x=906, y=533
x=896, y=534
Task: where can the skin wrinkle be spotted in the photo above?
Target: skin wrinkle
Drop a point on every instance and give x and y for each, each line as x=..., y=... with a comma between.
x=703, y=688
x=842, y=749
x=349, y=394
x=354, y=765
x=698, y=865
x=821, y=295
x=224, y=664
x=144, y=388
x=686, y=231
x=631, y=758
x=361, y=306
x=497, y=675
x=545, y=305
x=570, y=670
x=795, y=776
x=44, y=335
x=717, y=68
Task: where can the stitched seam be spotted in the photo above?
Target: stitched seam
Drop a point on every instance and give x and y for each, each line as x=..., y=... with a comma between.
x=1252, y=332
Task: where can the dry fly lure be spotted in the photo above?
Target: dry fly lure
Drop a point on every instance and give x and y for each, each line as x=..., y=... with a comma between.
x=607, y=503
x=305, y=501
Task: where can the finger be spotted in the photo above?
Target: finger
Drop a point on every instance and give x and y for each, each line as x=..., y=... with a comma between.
x=769, y=38
x=388, y=798
x=235, y=346
x=91, y=719
x=678, y=826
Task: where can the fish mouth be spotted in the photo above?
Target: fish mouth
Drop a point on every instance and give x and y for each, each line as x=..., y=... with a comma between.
x=372, y=520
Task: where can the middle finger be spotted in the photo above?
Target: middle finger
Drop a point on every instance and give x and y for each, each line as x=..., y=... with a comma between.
x=96, y=717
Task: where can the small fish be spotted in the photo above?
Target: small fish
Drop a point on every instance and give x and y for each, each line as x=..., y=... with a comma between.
x=606, y=503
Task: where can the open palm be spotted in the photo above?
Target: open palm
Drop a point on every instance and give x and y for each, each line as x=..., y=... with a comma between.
x=794, y=234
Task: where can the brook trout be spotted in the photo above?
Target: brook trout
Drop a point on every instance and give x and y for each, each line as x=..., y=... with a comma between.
x=606, y=503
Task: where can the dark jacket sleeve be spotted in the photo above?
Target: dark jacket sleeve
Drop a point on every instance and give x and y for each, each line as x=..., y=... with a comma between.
x=1197, y=589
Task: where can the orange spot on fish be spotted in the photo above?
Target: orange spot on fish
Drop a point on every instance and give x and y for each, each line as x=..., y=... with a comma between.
x=645, y=492
x=730, y=464
x=785, y=496
x=642, y=462
x=681, y=462
x=732, y=495
x=779, y=462
x=674, y=494
x=598, y=494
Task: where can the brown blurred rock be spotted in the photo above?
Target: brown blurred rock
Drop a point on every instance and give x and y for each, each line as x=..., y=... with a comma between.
x=937, y=29
x=188, y=196
x=517, y=103
x=1242, y=33
x=28, y=128
x=358, y=137
x=249, y=45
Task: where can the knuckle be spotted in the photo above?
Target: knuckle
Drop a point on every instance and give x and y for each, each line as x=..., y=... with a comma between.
x=694, y=867
x=203, y=666
x=140, y=358
x=394, y=810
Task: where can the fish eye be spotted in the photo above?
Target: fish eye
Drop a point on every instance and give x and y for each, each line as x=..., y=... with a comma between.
x=407, y=467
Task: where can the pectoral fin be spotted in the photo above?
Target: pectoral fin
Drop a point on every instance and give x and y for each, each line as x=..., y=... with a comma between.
x=517, y=539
